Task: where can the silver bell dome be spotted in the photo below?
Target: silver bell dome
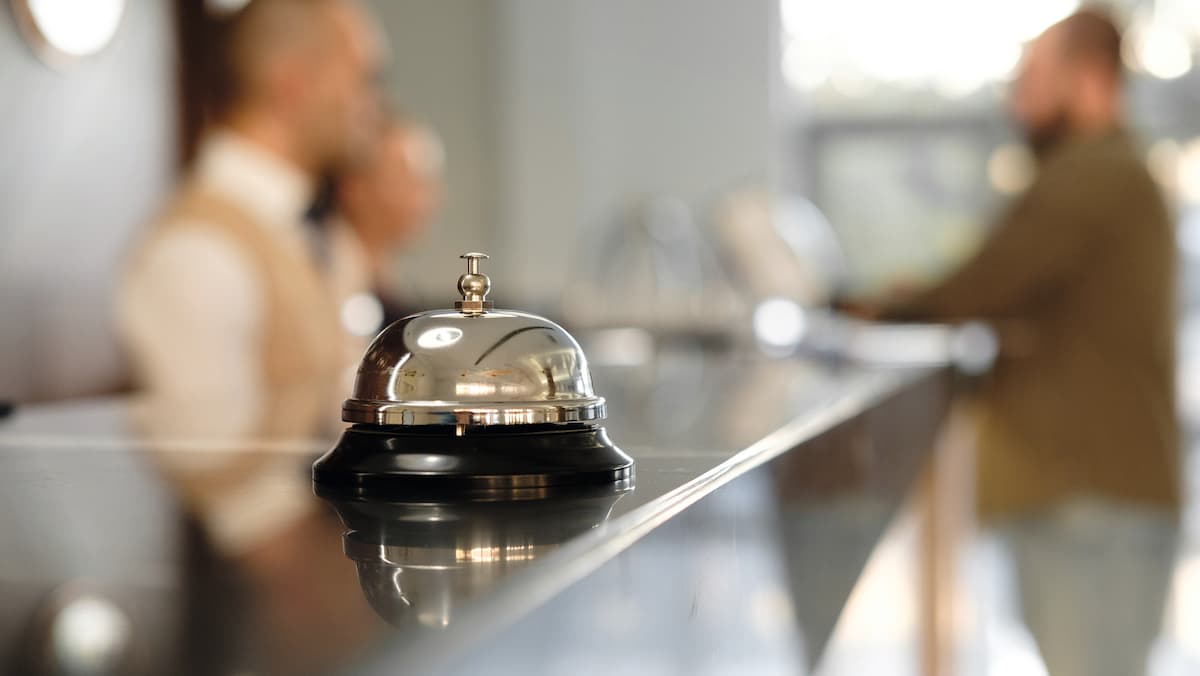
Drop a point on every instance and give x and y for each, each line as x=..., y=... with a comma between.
x=472, y=366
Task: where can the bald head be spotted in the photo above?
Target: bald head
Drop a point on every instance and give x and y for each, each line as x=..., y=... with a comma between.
x=272, y=34
x=264, y=34
x=1090, y=39
x=1070, y=79
x=307, y=69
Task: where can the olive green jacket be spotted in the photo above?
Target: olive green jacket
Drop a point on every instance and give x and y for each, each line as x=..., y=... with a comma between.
x=1079, y=278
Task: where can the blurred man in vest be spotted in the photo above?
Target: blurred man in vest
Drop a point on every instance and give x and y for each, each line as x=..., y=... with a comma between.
x=232, y=291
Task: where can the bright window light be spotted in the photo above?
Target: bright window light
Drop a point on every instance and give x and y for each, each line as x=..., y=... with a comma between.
x=77, y=27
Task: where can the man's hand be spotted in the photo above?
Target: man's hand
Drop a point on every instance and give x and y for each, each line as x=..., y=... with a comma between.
x=858, y=308
x=872, y=308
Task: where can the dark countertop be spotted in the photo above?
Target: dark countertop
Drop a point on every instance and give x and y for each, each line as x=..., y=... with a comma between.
x=192, y=527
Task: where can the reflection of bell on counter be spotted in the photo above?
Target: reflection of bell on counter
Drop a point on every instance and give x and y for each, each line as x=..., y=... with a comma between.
x=472, y=398
x=419, y=559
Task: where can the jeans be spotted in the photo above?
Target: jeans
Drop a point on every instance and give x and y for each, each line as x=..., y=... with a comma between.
x=1093, y=576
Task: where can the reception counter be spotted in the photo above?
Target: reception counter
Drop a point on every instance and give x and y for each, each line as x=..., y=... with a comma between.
x=184, y=537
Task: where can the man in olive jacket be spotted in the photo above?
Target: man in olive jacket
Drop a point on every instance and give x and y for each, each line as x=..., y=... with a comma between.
x=1078, y=461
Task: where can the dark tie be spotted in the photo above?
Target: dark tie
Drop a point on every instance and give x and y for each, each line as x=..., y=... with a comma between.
x=316, y=221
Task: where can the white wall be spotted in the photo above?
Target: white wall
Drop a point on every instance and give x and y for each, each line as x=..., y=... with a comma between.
x=85, y=157
x=559, y=113
x=608, y=102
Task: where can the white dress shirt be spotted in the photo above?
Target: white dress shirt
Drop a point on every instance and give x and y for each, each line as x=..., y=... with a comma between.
x=192, y=311
x=192, y=306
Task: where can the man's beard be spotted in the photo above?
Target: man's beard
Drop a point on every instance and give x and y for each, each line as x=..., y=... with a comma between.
x=1044, y=137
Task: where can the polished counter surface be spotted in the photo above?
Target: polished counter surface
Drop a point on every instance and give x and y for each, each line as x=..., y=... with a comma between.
x=188, y=535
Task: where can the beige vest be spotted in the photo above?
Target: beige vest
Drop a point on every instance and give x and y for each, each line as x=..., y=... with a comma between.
x=302, y=341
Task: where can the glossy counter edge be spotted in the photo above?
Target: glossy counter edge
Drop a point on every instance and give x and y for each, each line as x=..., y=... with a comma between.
x=576, y=559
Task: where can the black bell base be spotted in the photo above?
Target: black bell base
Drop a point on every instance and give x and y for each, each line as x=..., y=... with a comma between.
x=387, y=460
